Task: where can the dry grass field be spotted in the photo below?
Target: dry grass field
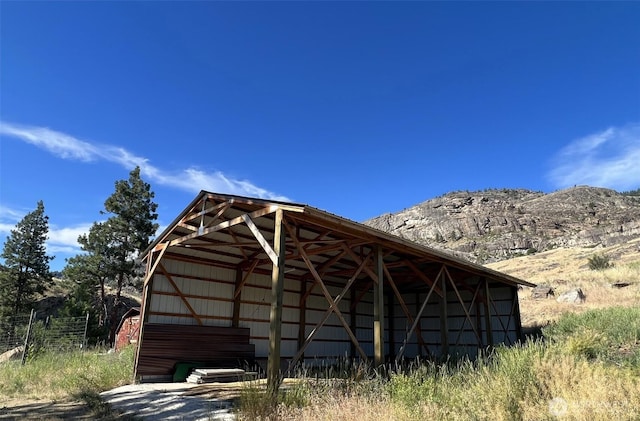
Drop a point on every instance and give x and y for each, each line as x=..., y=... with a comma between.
x=565, y=269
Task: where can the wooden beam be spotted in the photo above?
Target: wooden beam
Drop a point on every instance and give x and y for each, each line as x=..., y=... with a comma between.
x=353, y=321
x=323, y=269
x=204, y=212
x=391, y=318
x=444, y=317
x=275, y=316
x=333, y=306
x=147, y=287
x=403, y=305
x=224, y=225
x=364, y=292
x=244, y=280
x=302, y=315
x=149, y=275
x=418, y=326
x=378, y=309
x=464, y=308
x=325, y=292
x=215, y=217
x=261, y=240
x=422, y=276
x=467, y=311
x=416, y=321
x=182, y=297
x=517, y=314
x=499, y=316
x=373, y=275
x=235, y=319
x=487, y=313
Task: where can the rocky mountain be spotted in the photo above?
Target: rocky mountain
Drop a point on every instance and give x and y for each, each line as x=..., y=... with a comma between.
x=492, y=225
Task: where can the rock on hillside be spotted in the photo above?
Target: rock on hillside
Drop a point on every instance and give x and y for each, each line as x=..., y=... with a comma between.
x=492, y=225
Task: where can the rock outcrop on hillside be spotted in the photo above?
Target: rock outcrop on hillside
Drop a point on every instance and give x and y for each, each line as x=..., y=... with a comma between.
x=491, y=225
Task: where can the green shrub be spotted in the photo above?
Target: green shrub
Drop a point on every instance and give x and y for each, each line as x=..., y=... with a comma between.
x=610, y=334
x=599, y=262
x=587, y=343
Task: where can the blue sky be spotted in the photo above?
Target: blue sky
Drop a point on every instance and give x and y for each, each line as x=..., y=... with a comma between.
x=358, y=108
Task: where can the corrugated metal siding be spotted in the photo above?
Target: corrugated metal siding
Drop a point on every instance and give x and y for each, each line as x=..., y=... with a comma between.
x=459, y=327
x=198, y=281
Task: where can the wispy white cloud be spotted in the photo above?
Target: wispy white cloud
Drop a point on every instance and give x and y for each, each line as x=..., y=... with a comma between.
x=61, y=239
x=190, y=179
x=66, y=238
x=610, y=158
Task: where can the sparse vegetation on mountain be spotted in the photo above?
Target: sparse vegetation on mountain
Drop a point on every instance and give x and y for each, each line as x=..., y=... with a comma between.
x=599, y=262
x=635, y=192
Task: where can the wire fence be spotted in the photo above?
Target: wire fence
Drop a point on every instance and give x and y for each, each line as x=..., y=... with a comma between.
x=13, y=332
x=29, y=334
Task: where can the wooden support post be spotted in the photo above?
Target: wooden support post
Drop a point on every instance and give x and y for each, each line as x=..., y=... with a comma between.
x=404, y=307
x=147, y=290
x=444, y=321
x=378, y=309
x=487, y=314
x=275, y=318
x=416, y=321
x=516, y=314
x=464, y=307
x=302, y=319
x=481, y=341
x=235, y=321
x=418, y=330
x=353, y=304
x=392, y=326
x=332, y=305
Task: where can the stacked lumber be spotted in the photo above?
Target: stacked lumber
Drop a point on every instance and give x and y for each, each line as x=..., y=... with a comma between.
x=217, y=375
x=162, y=346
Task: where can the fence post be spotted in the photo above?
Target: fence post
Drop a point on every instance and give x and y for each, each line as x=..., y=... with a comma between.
x=26, y=338
x=84, y=336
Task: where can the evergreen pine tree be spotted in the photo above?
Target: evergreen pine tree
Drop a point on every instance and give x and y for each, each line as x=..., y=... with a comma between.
x=113, y=246
x=26, y=267
x=129, y=230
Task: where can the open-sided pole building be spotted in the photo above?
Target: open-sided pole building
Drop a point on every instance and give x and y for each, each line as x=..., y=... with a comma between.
x=237, y=278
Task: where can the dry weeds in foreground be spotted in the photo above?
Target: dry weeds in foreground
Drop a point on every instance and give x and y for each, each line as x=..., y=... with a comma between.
x=343, y=408
x=556, y=386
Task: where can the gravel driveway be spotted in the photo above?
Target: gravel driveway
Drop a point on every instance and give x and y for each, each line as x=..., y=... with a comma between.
x=169, y=401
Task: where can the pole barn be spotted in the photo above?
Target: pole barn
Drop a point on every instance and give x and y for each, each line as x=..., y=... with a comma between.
x=236, y=278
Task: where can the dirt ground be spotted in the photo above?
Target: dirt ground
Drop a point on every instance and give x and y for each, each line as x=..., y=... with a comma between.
x=25, y=409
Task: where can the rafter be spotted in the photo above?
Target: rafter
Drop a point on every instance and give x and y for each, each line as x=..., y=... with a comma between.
x=261, y=240
x=422, y=276
x=224, y=225
x=325, y=291
x=333, y=305
x=203, y=212
x=466, y=312
x=403, y=305
x=182, y=297
x=417, y=319
x=150, y=272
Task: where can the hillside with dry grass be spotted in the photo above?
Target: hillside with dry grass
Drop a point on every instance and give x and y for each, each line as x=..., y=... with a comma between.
x=564, y=269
